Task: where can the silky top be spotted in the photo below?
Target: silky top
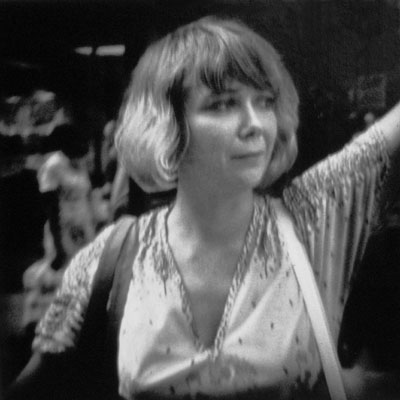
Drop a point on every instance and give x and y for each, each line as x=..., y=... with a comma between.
x=264, y=340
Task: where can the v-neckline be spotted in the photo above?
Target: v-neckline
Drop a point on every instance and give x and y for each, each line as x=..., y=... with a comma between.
x=241, y=268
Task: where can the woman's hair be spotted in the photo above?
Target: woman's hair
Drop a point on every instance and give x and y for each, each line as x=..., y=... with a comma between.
x=152, y=133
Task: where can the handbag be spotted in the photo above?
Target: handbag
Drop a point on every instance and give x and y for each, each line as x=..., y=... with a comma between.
x=314, y=305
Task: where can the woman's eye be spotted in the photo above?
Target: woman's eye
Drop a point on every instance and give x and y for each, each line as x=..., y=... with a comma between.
x=222, y=104
x=266, y=101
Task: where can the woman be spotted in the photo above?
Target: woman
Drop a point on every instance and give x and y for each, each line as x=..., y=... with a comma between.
x=214, y=307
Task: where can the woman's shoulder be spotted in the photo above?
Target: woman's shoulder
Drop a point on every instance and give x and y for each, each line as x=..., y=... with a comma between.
x=84, y=264
x=152, y=218
x=58, y=329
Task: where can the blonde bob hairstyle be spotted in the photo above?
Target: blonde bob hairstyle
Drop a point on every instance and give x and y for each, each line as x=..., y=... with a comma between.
x=152, y=133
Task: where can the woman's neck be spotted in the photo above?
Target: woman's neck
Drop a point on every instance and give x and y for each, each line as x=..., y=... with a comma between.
x=212, y=215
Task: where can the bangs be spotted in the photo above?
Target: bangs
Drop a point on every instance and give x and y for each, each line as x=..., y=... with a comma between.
x=234, y=66
x=218, y=59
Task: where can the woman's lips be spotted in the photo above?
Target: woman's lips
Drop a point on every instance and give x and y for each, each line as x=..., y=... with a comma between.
x=252, y=154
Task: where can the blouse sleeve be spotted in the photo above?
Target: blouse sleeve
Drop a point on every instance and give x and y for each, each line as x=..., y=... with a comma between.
x=60, y=326
x=335, y=205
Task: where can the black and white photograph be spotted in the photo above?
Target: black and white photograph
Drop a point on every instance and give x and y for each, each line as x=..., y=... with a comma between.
x=199, y=199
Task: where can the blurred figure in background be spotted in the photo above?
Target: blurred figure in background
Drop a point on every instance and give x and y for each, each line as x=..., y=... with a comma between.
x=108, y=160
x=65, y=185
x=64, y=179
x=26, y=124
x=108, y=152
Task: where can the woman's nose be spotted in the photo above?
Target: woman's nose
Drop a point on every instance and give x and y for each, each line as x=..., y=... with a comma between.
x=251, y=123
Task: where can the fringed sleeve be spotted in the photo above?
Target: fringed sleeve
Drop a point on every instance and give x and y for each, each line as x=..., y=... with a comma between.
x=60, y=326
x=335, y=205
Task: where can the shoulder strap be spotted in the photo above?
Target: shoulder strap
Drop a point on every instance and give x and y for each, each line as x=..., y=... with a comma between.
x=96, y=347
x=314, y=306
x=116, y=303
x=110, y=259
x=104, y=276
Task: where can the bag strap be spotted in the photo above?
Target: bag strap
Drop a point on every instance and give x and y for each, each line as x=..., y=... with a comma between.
x=97, y=345
x=117, y=301
x=314, y=305
x=113, y=256
x=104, y=276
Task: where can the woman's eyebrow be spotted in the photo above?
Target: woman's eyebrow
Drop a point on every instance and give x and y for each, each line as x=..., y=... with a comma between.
x=225, y=91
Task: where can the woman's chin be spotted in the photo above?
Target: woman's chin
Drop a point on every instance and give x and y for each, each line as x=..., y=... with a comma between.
x=250, y=180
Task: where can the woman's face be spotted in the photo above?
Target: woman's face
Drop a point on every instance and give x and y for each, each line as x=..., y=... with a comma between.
x=232, y=134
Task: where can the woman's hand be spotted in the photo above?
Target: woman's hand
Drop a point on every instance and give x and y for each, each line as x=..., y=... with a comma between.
x=389, y=125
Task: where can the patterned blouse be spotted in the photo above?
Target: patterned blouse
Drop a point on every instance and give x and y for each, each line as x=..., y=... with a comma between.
x=264, y=340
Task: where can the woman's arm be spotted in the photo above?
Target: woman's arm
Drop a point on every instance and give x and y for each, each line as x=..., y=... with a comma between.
x=22, y=386
x=41, y=378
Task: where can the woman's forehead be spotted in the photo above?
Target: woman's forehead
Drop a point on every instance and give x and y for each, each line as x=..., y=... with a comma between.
x=201, y=92
x=228, y=86
x=220, y=69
